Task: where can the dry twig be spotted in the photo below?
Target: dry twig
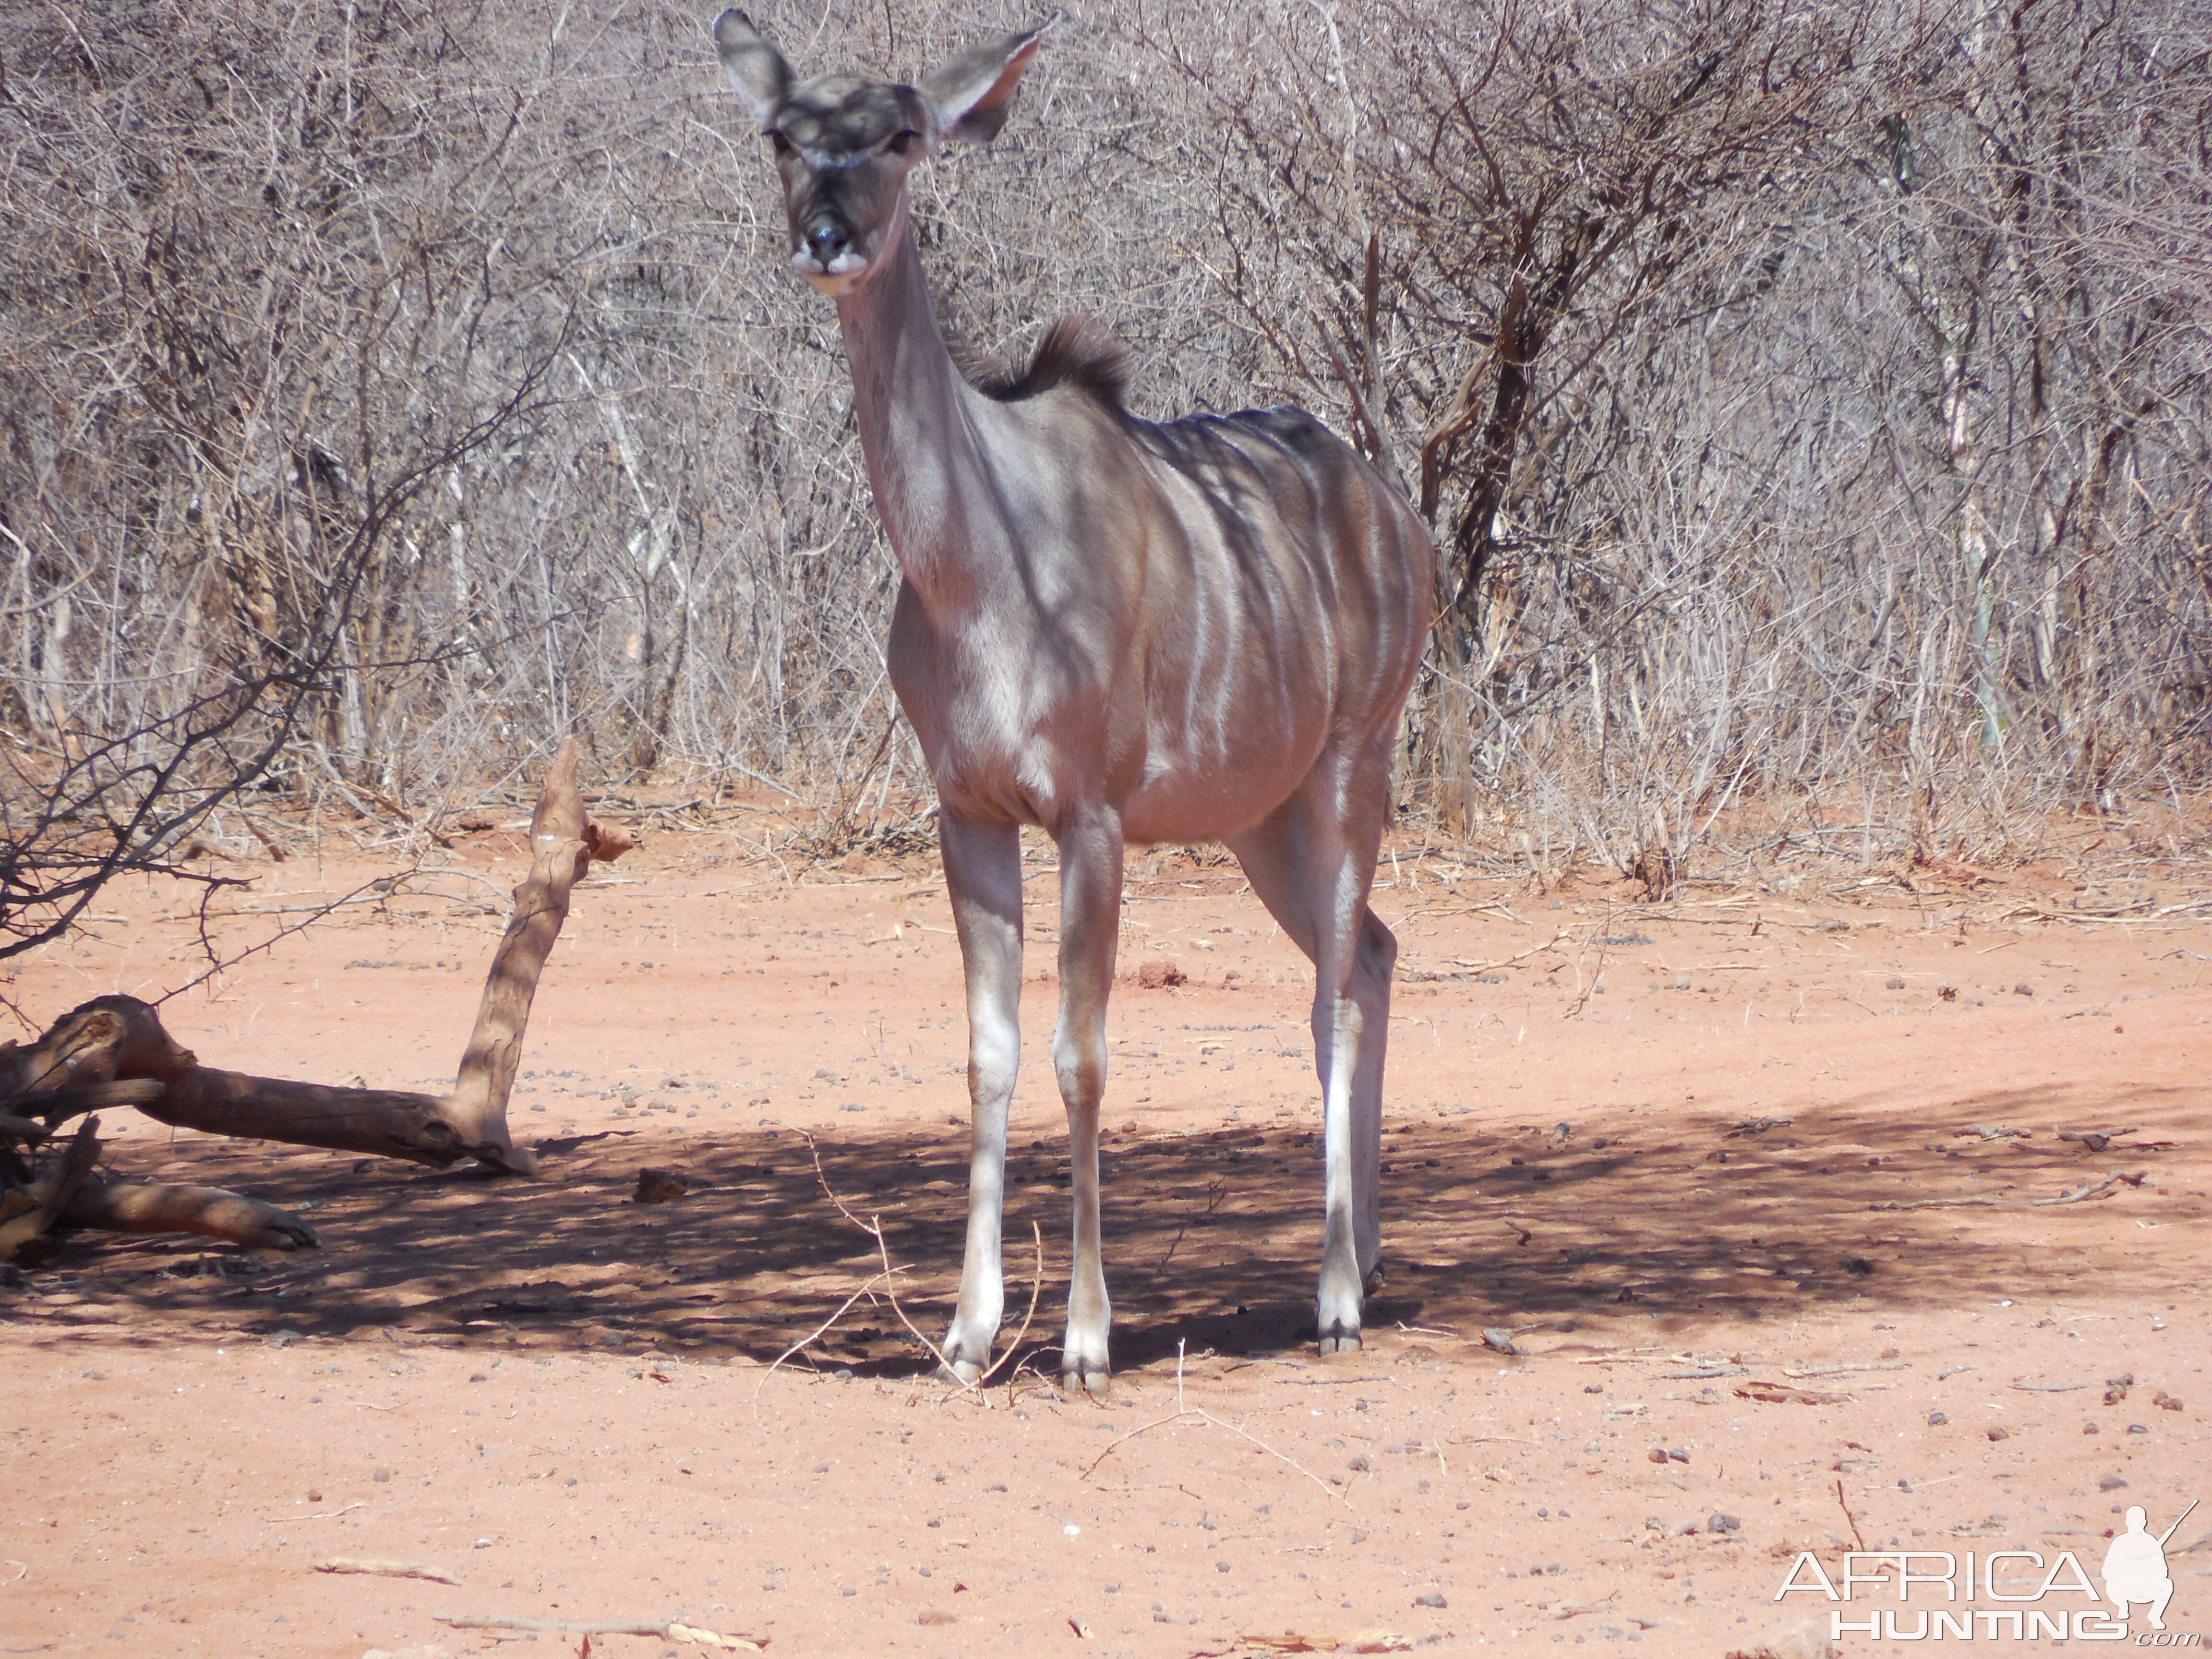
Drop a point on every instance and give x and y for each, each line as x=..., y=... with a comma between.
x=1181, y=1412
x=2096, y=1189
x=874, y=1229
x=1036, y=1284
x=668, y=1630
x=384, y=1569
x=1857, y=1536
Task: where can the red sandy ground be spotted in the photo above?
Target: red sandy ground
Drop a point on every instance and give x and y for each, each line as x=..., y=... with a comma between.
x=565, y=1400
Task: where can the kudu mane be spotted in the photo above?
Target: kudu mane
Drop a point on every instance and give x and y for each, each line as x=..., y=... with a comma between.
x=1075, y=351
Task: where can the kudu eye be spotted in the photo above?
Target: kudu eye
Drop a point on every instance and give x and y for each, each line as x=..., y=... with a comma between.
x=900, y=142
x=781, y=145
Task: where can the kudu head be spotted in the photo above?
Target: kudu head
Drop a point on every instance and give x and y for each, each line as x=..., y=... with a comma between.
x=844, y=146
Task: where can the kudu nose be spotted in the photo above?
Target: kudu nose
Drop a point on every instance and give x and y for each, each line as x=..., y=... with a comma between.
x=826, y=238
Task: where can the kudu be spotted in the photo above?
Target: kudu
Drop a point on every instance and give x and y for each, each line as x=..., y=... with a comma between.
x=1119, y=631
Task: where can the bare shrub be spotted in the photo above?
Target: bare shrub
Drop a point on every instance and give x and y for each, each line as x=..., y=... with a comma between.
x=234, y=370
x=1725, y=347
x=1811, y=403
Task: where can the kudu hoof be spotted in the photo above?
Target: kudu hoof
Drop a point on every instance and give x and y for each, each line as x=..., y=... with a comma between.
x=958, y=1368
x=1097, y=1382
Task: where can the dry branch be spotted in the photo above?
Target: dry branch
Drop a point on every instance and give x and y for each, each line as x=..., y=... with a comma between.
x=114, y=1050
x=562, y=846
x=58, y=1106
x=29, y=1212
x=120, y=1036
x=1200, y=1415
x=383, y=1569
x=1777, y=1394
x=1854, y=1520
x=1197, y=1414
x=393, y=1122
x=874, y=1229
x=66, y=1194
x=115, y=1047
x=128, y=1206
x=2096, y=1189
x=2093, y=1140
x=668, y=1630
x=74, y=1066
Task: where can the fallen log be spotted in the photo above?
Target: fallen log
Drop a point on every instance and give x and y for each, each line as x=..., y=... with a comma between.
x=115, y=1048
x=74, y=1066
x=56, y=1107
x=28, y=1213
x=391, y=1122
x=135, y=1206
x=562, y=846
x=121, y=1033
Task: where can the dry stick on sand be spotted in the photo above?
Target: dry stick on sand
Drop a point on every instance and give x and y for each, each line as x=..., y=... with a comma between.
x=815, y=1334
x=1507, y=962
x=1849, y=1516
x=874, y=1230
x=2093, y=1140
x=1036, y=1284
x=668, y=1630
x=2096, y=1189
x=383, y=1569
x=1182, y=1410
x=1583, y=992
x=1574, y=1609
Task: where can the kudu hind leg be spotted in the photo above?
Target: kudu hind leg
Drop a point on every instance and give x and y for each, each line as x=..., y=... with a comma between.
x=1090, y=923
x=983, y=875
x=1376, y=962
x=1314, y=877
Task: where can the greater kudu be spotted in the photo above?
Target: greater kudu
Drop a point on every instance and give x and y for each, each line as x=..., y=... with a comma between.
x=1119, y=631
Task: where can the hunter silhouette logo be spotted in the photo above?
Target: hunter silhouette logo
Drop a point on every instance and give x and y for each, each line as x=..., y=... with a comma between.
x=2135, y=1565
x=2029, y=1596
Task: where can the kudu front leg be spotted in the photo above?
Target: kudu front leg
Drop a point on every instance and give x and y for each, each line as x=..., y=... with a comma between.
x=983, y=875
x=1090, y=926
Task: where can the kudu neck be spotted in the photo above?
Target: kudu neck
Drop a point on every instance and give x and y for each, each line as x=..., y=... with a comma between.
x=916, y=416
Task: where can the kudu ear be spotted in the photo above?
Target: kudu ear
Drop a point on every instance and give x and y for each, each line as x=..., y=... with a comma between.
x=974, y=91
x=756, y=68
